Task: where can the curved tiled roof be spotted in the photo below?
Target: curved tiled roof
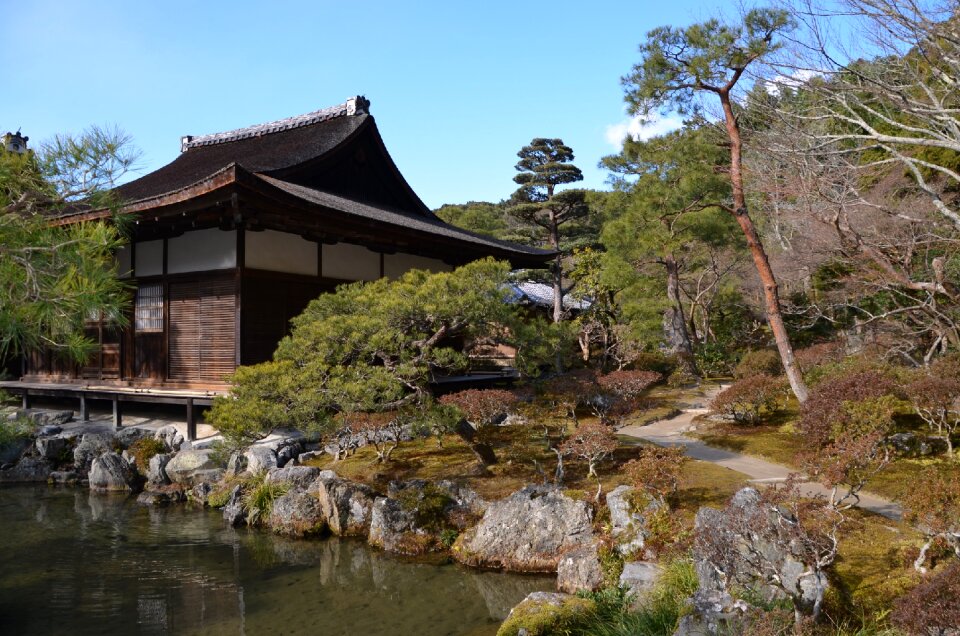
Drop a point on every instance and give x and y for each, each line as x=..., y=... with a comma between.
x=294, y=149
x=262, y=148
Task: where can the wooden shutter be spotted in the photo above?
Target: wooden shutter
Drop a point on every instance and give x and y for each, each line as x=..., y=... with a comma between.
x=202, y=330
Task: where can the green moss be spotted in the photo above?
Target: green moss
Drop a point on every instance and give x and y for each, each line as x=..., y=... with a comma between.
x=145, y=449
x=873, y=567
x=427, y=504
x=545, y=619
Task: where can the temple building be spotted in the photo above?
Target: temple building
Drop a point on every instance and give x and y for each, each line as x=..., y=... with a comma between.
x=234, y=237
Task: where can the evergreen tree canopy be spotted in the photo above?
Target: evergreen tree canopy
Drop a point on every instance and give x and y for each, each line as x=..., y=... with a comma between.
x=376, y=346
x=544, y=164
x=53, y=279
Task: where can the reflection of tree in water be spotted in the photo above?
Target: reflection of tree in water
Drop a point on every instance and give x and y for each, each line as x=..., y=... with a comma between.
x=104, y=560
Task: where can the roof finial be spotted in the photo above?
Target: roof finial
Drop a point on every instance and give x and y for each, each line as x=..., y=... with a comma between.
x=358, y=105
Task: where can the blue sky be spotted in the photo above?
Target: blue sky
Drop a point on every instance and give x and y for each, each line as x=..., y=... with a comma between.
x=456, y=88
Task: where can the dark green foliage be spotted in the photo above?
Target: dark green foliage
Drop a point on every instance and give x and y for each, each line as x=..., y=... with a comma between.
x=375, y=347
x=481, y=217
x=545, y=164
x=53, y=279
x=679, y=63
x=13, y=430
x=671, y=230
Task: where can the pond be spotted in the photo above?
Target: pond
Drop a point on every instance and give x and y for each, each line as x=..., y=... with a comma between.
x=72, y=562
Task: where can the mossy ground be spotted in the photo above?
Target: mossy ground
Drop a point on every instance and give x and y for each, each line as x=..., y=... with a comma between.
x=777, y=440
x=517, y=448
x=874, y=566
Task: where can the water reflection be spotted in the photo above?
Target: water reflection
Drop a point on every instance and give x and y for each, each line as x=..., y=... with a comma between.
x=76, y=563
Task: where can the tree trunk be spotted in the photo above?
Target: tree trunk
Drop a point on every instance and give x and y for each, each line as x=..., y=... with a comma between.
x=483, y=452
x=674, y=322
x=557, y=272
x=760, y=260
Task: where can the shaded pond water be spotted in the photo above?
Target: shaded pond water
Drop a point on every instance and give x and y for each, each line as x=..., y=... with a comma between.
x=78, y=563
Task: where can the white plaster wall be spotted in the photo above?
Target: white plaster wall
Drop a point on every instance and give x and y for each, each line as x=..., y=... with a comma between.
x=124, y=264
x=201, y=250
x=394, y=265
x=149, y=258
x=280, y=252
x=350, y=262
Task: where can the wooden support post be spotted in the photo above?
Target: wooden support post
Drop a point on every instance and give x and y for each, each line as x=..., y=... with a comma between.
x=84, y=409
x=117, y=414
x=25, y=400
x=191, y=421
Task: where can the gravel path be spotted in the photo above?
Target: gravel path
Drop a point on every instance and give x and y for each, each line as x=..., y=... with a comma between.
x=670, y=432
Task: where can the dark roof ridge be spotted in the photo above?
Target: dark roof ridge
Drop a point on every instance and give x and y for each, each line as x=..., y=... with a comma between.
x=396, y=217
x=353, y=106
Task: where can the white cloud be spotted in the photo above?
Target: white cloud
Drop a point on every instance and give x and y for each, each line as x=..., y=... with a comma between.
x=793, y=80
x=636, y=129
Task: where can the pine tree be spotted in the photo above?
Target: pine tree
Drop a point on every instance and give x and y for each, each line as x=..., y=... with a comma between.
x=53, y=278
x=680, y=67
x=545, y=164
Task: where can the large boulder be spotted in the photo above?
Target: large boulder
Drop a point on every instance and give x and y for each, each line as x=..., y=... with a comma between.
x=63, y=478
x=639, y=577
x=43, y=417
x=129, y=435
x=236, y=465
x=157, y=496
x=234, y=512
x=157, y=469
x=529, y=531
x=193, y=467
x=260, y=459
x=347, y=506
x=287, y=451
x=28, y=469
x=297, y=476
x=297, y=514
x=111, y=472
x=746, y=546
x=580, y=571
x=91, y=445
x=629, y=526
x=54, y=448
x=171, y=437
x=12, y=450
x=394, y=528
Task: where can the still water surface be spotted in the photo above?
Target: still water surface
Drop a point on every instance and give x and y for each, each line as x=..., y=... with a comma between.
x=78, y=563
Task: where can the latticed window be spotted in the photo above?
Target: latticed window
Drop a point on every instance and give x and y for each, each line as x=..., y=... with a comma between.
x=149, y=309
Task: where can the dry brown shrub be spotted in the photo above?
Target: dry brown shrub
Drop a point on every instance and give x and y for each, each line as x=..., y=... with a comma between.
x=591, y=442
x=933, y=506
x=758, y=362
x=481, y=407
x=818, y=354
x=824, y=412
x=935, y=395
x=656, y=470
x=931, y=608
x=745, y=400
x=628, y=384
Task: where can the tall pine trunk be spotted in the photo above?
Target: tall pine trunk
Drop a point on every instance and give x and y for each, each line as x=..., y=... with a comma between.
x=767, y=278
x=674, y=322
